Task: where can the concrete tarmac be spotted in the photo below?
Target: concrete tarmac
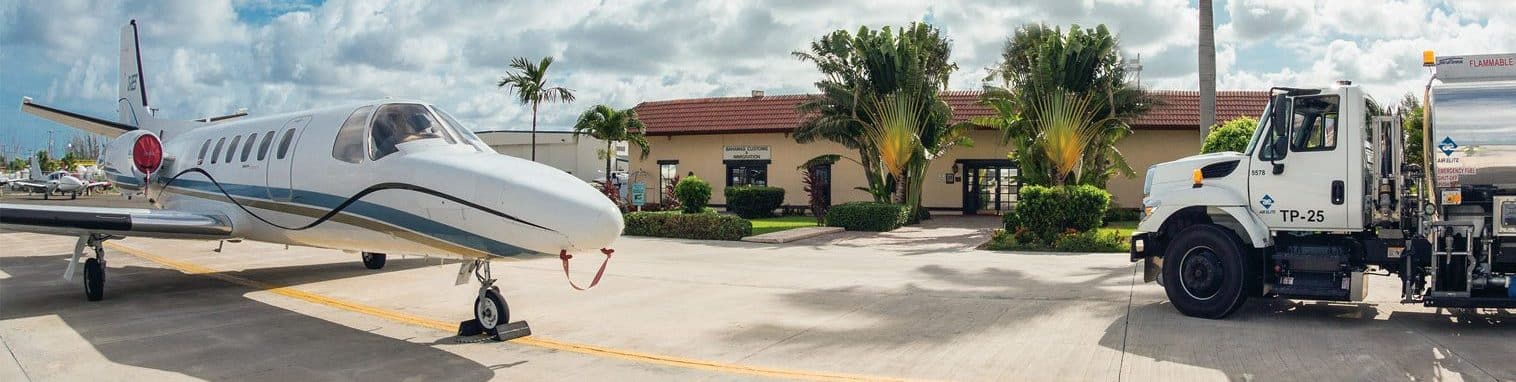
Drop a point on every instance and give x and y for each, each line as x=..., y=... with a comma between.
x=918, y=303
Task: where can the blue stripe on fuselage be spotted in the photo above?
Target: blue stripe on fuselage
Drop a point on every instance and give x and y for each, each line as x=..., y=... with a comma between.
x=363, y=209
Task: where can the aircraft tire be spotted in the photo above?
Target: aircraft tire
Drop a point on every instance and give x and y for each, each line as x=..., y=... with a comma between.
x=373, y=260
x=490, y=310
x=94, y=280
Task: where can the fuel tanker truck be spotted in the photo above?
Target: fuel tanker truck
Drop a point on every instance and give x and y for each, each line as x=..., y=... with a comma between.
x=1322, y=195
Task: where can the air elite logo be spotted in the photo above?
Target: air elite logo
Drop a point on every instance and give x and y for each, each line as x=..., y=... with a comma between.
x=1266, y=202
x=1447, y=146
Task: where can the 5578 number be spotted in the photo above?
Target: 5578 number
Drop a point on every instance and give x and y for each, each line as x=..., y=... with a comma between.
x=1310, y=216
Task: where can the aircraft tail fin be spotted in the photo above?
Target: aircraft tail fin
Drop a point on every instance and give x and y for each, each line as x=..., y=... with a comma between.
x=132, y=107
x=35, y=173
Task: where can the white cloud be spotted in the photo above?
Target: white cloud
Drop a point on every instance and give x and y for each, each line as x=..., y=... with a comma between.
x=210, y=57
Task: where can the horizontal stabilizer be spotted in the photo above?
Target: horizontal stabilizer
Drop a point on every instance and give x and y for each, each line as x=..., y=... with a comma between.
x=79, y=121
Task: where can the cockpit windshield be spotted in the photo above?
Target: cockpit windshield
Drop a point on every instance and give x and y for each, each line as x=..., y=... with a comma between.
x=464, y=132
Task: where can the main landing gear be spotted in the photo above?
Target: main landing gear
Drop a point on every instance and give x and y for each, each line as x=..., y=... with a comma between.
x=94, y=268
x=491, y=314
x=373, y=260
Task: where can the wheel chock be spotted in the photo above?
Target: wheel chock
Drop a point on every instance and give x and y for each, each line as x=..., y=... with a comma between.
x=505, y=332
x=512, y=331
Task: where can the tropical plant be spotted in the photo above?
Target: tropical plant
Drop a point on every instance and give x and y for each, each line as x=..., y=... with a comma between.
x=813, y=182
x=1041, y=63
x=860, y=69
x=529, y=83
x=1230, y=136
x=1411, y=114
x=610, y=125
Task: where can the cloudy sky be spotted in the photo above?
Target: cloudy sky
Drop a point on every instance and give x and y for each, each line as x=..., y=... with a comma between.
x=211, y=57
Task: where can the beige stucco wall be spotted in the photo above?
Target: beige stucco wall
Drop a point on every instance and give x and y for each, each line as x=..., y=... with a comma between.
x=1146, y=148
x=702, y=154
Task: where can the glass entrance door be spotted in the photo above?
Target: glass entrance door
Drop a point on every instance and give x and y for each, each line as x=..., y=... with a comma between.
x=989, y=188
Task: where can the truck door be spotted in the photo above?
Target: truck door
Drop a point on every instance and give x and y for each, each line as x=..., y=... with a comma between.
x=1297, y=178
x=281, y=161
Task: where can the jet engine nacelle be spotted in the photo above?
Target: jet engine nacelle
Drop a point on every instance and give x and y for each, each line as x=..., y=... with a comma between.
x=131, y=159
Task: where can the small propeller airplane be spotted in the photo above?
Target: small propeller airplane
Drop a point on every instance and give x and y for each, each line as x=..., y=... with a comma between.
x=386, y=176
x=48, y=184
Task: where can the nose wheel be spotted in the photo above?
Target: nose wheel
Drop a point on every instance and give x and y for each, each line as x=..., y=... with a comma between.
x=492, y=316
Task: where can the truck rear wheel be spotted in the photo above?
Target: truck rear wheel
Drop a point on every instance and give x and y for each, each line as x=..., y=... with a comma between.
x=1205, y=272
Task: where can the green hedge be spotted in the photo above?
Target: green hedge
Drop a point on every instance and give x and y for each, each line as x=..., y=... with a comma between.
x=1044, y=213
x=1091, y=241
x=693, y=193
x=868, y=216
x=702, y=226
x=754, y=201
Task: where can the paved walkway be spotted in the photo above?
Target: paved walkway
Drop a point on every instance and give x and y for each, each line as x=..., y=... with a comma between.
x=862, y=308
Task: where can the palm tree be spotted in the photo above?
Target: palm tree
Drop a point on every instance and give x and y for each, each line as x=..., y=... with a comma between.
x=1207, y=69
x=529, y=82
x=610, y=125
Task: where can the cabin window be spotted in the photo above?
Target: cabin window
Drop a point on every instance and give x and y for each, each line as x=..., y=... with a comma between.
x=349, y=144
x=400, y=123
x=231, y=151
x=268, y=138
x=249, y=148
x=284, y=143
x=203, y=148
x=1314, y=124
x=217, y=153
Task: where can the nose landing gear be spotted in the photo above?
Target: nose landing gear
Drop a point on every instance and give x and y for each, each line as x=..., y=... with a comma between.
x=491, y=314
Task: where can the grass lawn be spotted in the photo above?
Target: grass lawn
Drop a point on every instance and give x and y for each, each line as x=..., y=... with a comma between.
x=1123, y=228
x=776, y=224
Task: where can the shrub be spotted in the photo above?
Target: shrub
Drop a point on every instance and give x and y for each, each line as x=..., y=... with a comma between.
x=1092, y=241
x=693, y=194
x=701, y=226
x=1231, y=135
x=1042, y=213
x=754, y=201
x=1117, y=214
x=868, y=216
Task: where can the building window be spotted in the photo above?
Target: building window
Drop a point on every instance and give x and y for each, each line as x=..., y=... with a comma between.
x=668, y=173
x=747, y=173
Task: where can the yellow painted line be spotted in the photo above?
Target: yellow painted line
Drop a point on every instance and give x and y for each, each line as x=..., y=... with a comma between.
x=450, y=327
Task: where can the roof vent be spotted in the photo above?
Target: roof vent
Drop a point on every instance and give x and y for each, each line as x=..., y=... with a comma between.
x=757, y=93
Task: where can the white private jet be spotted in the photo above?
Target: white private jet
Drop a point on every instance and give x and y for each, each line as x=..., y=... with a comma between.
x=386, y=176
x=55, y=182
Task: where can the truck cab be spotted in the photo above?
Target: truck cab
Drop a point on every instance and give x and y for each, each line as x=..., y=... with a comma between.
x=1322, y=194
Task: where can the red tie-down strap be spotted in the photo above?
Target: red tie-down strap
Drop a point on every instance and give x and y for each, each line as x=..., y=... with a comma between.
x=565, y=256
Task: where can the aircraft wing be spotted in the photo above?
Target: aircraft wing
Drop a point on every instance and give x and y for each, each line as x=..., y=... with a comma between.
x=75, y=120
x=34, y=186
x=129, y=222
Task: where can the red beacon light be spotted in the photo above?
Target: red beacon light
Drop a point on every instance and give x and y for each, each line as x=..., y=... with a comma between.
x=147, y=153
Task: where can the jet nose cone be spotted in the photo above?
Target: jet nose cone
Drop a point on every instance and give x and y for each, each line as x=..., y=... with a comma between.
x=605, y=227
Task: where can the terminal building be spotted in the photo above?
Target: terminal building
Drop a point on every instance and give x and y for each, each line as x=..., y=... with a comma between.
x=734, y=141
x=581, y=155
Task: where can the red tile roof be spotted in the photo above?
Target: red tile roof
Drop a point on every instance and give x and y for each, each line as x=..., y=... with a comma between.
x=773, y=114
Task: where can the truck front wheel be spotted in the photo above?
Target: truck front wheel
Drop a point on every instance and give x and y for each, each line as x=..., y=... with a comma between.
x=1205, y=272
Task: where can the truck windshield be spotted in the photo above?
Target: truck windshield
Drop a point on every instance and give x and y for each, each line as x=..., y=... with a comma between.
x=1475, y=115
x=1263, y=123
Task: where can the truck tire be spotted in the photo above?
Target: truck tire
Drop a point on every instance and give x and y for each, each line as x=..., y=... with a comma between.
x=1206, y=272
